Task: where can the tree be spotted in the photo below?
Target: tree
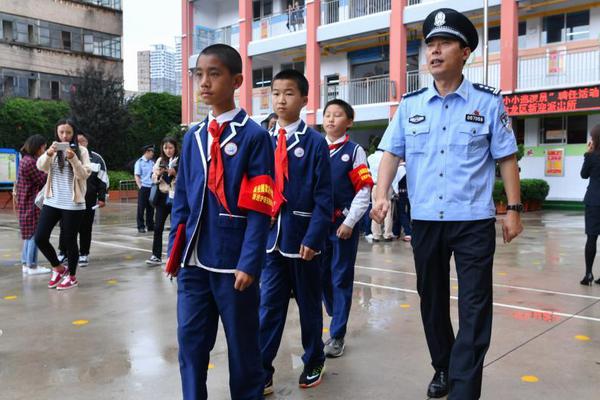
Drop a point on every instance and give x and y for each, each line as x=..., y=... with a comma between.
x=99, y=109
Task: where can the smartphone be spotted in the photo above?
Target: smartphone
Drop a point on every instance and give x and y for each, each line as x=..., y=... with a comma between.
x=62, y=146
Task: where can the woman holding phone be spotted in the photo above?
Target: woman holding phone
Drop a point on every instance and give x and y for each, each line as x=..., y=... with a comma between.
x=164, y=174
x=68, y=167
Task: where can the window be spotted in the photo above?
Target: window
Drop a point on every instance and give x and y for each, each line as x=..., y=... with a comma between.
x=88, y=43
x=494, y=37
x=564, y=129
x=523, y=34
x=9, y=85
x=262, y=77
x=55, y=90
x=262, y=8
x=333, y=86
x=30, y=34
x=298, y=66
x=66, y=40
x=518, y=126
x=566, y=27
x=7, y=30
x=32, y=88
x=22, y=32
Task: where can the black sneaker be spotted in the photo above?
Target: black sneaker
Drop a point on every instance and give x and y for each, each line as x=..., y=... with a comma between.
x=268, y=388
x=311, y=377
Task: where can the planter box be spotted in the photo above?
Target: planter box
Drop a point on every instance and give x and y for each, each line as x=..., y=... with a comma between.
x=122, y=195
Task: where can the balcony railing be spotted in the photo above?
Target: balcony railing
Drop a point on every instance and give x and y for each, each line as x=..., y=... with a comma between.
x=279, y=24
x=369, y=90
x=473, y=72
x=228, y=35
x=341, y=10
x=114, y=4
x=559, y=67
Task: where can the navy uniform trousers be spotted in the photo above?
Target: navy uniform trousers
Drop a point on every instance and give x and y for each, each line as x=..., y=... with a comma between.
x=338, y=279
x=473, y=244
x=279, y=277
x=203, y=296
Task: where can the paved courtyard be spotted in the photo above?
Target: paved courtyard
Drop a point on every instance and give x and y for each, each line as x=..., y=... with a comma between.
x=114, y=337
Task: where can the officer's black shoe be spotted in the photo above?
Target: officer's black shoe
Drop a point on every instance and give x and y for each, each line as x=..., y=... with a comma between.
x=438, y=387
x=587, y=279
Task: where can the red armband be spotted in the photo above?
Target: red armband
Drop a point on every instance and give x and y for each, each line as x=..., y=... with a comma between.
x=361, y=177
x=257, y=194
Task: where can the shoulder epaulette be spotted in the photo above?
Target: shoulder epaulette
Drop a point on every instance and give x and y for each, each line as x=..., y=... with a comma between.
x=487, y=89
x=414, y=92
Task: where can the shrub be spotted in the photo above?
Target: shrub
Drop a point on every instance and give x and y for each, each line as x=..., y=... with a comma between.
x=117, y=176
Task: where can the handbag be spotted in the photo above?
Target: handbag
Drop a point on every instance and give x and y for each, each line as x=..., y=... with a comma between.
x=153, y=198
x=40, y=197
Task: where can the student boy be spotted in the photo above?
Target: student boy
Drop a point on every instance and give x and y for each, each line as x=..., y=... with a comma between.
x=302, y=213
x=224, y=196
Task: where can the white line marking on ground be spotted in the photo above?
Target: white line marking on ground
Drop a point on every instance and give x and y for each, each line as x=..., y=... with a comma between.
x=397, y=289
x=583, y=296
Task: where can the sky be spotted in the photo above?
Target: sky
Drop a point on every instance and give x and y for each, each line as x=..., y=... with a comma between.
x=147, y=22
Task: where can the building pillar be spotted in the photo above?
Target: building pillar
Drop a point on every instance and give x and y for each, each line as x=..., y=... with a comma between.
x=509, y=45
x=187, y=47
x=245, y=13
x=398, y=41
x=313, y=60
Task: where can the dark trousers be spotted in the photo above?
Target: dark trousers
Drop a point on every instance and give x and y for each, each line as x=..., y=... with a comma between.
x=144, y=207
x=162, y=212
x=203, y=297
x=279, y=277
x=71, y=221
x=85, y=234
x=338, y=280
x=473, y=244
x=402, y=217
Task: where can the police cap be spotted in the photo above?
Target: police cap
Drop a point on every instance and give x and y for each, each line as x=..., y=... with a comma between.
x=446, y=22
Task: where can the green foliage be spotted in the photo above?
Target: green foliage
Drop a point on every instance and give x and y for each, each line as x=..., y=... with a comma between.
x=373, y=144
x=21, y=118
x=116, y=176
x=531, y=189
x=153, y=116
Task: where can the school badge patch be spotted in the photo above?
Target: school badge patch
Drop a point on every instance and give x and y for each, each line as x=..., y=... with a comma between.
x=299, y=152
x=345, y=158
x=231, y=149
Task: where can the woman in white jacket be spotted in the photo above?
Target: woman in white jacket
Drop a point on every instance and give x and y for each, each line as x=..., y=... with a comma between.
x=68, y=167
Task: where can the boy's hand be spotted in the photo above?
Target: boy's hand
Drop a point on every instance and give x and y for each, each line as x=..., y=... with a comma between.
x=344, y=232
x=242, y=281
x=306, y=253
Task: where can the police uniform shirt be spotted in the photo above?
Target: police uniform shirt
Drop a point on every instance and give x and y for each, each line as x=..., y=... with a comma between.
x=450, y=145
x=143, y=169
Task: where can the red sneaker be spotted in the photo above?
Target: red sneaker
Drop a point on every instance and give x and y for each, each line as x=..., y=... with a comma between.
x=57, y=277
x=68, y=282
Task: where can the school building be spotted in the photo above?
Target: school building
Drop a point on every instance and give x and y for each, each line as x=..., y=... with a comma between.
x=545, y=56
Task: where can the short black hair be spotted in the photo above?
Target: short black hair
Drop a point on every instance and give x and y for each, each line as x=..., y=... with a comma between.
x=227, y=55
x=293, y=75
x=32, y=145
x=344, y=105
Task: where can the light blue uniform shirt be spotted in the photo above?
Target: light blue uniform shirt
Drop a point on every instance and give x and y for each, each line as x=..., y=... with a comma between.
x=143, y=168
x=450, y=145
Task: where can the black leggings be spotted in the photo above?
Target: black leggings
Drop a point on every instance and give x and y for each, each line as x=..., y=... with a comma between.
x=590, y=252
x=71, y=220
x=85, y=234
x=162, y=212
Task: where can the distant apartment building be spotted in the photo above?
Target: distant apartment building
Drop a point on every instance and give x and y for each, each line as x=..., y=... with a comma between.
x=45, y=45
x=157, y=70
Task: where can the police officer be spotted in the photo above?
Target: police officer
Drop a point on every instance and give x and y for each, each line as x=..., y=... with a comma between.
x=451, y=136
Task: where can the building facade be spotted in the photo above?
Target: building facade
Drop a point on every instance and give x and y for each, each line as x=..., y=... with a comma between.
x=157, y=70
x=543, y=54
x=45, y=45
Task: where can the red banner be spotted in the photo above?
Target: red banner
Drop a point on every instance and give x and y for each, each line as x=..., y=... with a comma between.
x=553, y=101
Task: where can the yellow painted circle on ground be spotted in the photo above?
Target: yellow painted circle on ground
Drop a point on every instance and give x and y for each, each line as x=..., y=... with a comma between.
x=112, y=281
x=502, y=273
x=536, y=263
x=211, y=366
x=10, y=297
x=404, y=305
x=79, y=322
x=529, y=378
x=325, y=330
x=583, y=338
x=129, y=257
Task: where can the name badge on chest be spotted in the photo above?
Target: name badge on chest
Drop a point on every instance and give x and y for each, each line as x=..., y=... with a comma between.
x=475, y=117
x=416, y=119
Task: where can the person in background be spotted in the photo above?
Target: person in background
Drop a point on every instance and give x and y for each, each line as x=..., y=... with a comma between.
x=164, y=175
x=68, y=167
x=387, y=234
x=402, y=208
x=591, y=169
x=269, y=122
x=30, y=181
x=95, y=197
x=143, y=178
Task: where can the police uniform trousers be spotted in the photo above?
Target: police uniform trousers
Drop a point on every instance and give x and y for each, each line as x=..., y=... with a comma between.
x=202, y=297
x=473, y=244
x=338, y=279
x=279, y=277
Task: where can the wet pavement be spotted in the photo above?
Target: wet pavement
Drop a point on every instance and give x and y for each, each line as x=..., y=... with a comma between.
x=114, y=337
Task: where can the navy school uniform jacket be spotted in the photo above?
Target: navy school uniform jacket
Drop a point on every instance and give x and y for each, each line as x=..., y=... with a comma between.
x=305, y=217
x=225, y=242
